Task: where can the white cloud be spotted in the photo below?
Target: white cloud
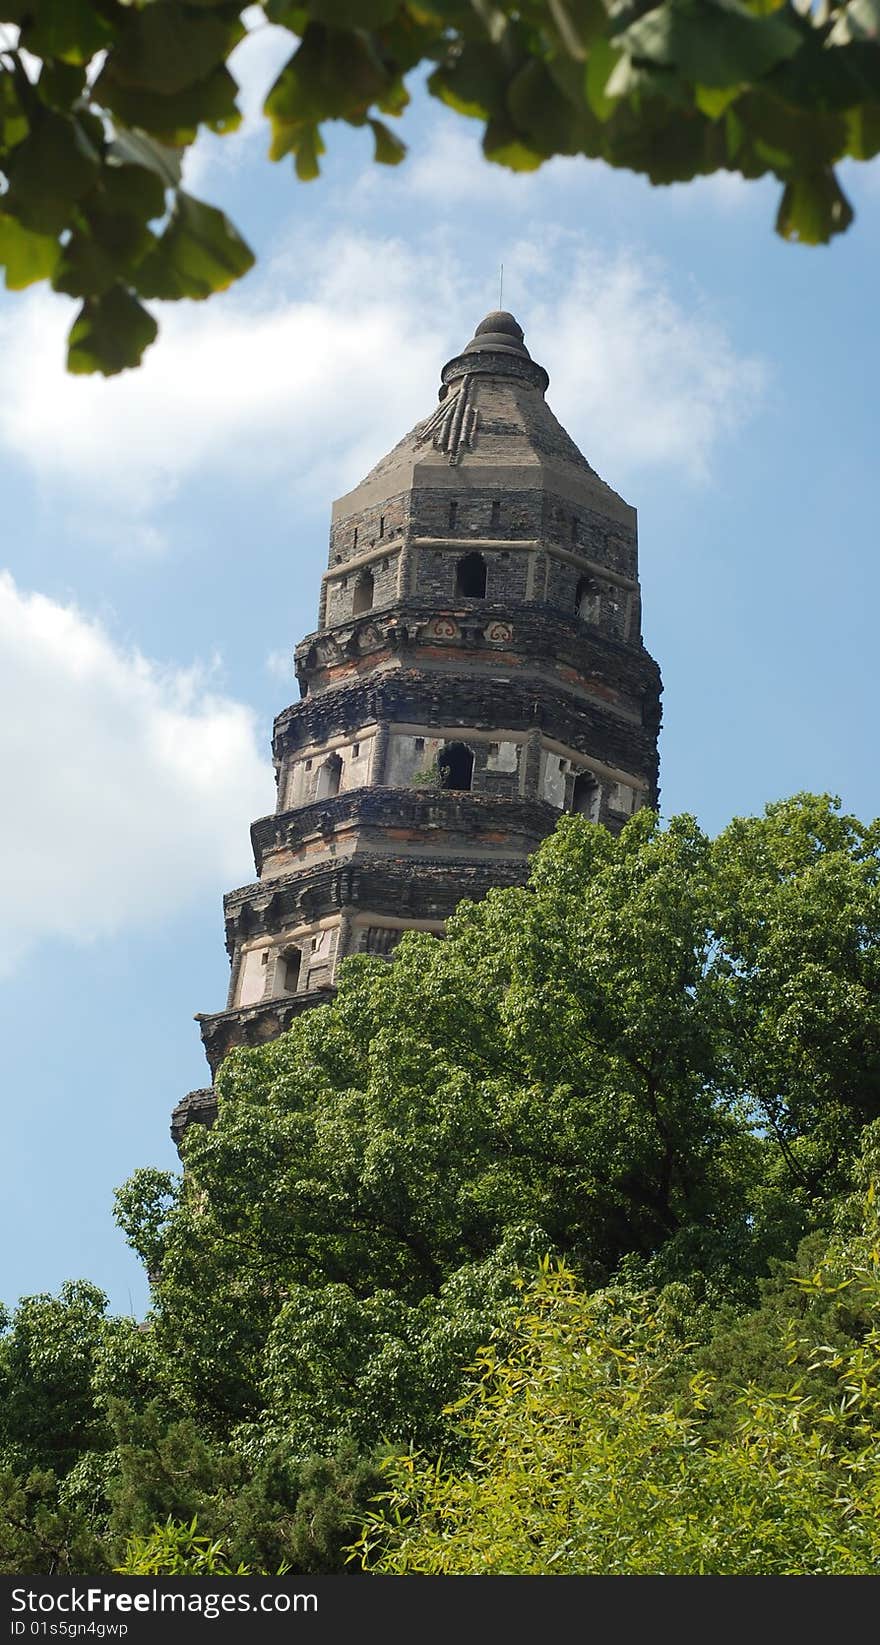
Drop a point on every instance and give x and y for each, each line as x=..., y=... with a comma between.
x=280, y=665
x=640, y=375
x=128, y=788
x=450, y=169
x=301, y=378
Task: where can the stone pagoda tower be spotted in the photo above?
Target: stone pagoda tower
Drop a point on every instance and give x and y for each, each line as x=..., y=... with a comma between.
x=477, y=668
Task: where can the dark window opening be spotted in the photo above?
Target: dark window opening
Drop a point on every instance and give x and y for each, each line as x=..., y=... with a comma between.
x=290, y=969
x=355, y=751
x=453, y=511
x=496, y=513
x=585, y=796
x=355, y=543
x=455, y=766
x=329, y=776
x=381, y=525
x=420, y=744
x=587, y=600
x=470, y=577
x=363, y=593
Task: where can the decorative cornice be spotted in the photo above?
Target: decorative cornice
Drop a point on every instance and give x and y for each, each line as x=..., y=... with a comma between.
x=430, y=812
x=414, y=888
x=527, y=633
x=512, y=701
x=254, y=1024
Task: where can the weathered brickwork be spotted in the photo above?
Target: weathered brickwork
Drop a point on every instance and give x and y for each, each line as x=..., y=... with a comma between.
x=477, y=669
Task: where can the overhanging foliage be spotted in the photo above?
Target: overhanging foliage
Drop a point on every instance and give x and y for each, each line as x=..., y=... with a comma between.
x=99, y=100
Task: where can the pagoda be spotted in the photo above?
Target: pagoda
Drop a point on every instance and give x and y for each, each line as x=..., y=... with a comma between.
x=477, y=668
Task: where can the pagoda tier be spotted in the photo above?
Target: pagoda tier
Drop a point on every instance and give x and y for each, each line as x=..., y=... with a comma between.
x=477, y=669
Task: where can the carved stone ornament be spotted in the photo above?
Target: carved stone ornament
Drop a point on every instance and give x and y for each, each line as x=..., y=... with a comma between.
x=442, y=628
x=499, y=633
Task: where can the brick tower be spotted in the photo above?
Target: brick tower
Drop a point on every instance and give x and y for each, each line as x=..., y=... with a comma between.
x=478, y=667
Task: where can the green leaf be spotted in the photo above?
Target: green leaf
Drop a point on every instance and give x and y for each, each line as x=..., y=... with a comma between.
x=578, y=23
x=199, y=253
x=813, y=209
x=25, y=256
x=71, y=30
x=112, y=237
x=667, y=146
x=307, y=149
x=791, y=139
x=388, y=149
x=474, y=84
x=291, y=14
x=48, y=172
x=13, y=121
x=601, y=63
x=91, y=262
x=711, y=42
x=174, y=119
x=863, y=132
x=166, y=47
x=132, y=190
x=539, y=112
x=715, y=101
x=60, y=84
x=818, y=80
x=332, y=75
x=504, y=144
x=110, y=333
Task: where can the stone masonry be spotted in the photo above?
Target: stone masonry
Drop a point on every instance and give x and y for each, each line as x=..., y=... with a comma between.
x=478, y=668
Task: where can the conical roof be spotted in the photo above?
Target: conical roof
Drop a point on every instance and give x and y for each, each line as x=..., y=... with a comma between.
x=492, y=427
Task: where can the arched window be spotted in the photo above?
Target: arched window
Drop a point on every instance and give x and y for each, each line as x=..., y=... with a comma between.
x=455, y=766
x=289, y=967
x=470, y=577
x=585, y=796
x=329, y=775
x=363, y=593
x=587, y=600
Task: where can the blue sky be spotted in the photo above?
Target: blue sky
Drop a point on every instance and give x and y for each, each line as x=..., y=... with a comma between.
x=164, y=536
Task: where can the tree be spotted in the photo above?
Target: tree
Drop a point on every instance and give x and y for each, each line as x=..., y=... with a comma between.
x=99, y=99
x=633, y=1060
x=580, y=1462
x=656, y=1062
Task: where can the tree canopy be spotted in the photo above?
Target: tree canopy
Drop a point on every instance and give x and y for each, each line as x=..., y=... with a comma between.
x=658, y=1062
x=589, y=1453
x=99, y=100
